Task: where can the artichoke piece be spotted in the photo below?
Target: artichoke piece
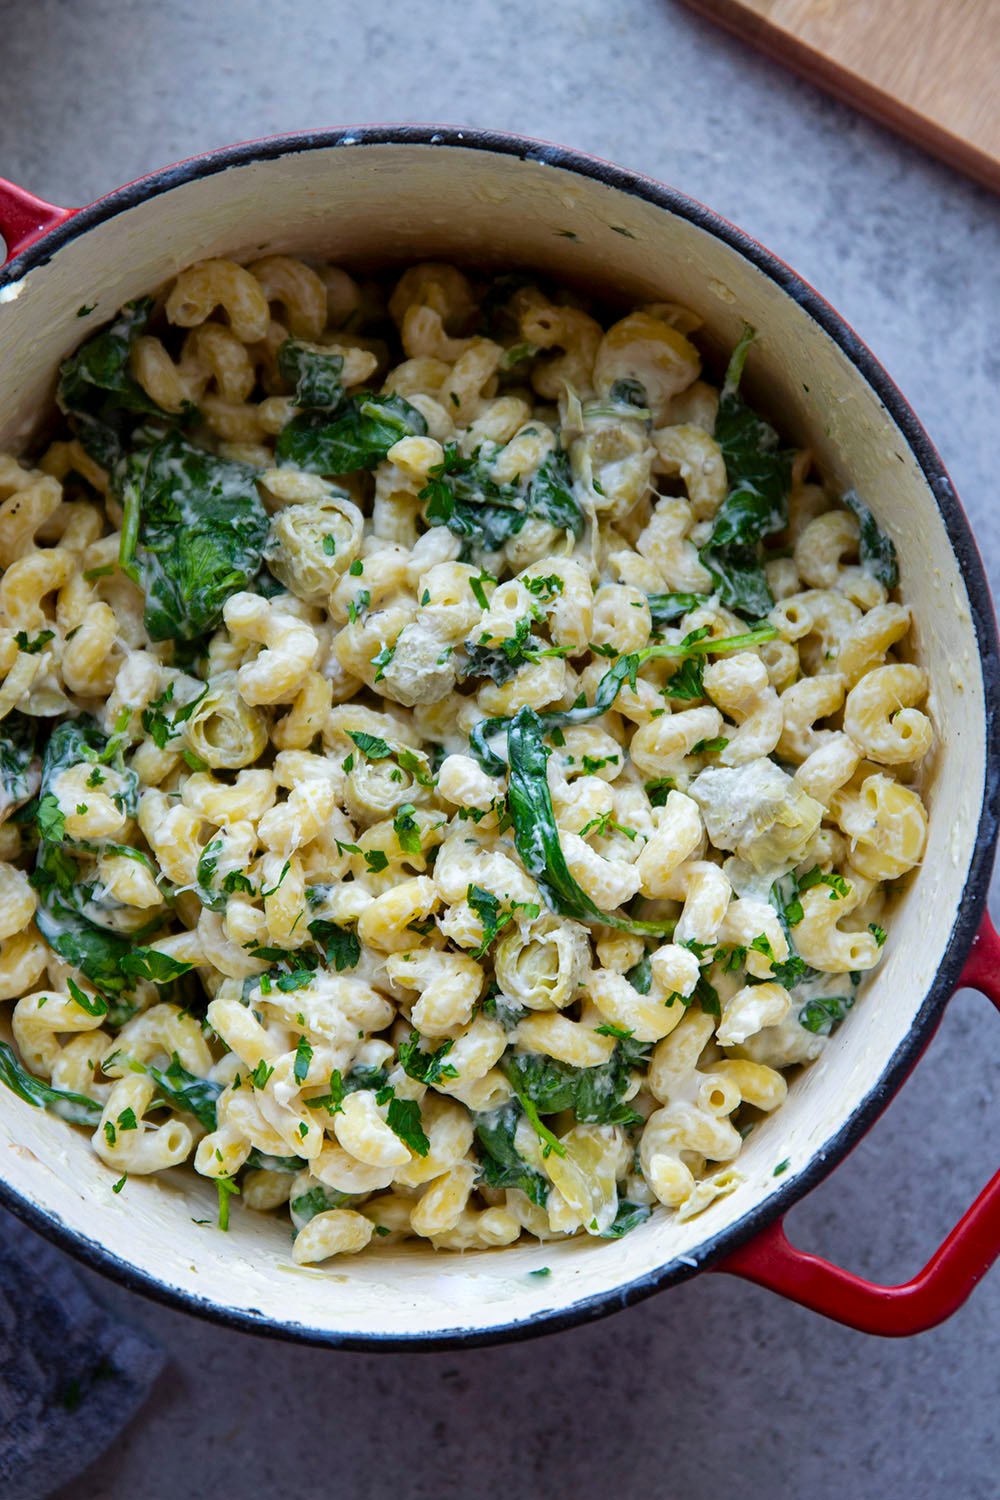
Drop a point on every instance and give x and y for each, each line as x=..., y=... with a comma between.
x=758, y=811
x=311, y=544
x=541, y=966
x=223, y=731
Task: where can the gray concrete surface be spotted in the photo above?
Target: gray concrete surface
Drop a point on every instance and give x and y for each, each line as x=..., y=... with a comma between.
x=715, y=1388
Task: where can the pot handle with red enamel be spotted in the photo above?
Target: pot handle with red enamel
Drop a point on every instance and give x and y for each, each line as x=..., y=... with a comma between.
x=25, y=218
x=771, y=1260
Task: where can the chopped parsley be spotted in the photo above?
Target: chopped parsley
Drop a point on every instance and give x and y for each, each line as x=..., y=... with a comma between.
x=426, y=1066
x=476, y=585
x=493, y=917
x=404, y=1119
x=406, y=829
x=303, y=1057
x=35, y=644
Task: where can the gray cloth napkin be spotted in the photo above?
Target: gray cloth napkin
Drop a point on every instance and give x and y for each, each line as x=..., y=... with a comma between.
x=71, y=1375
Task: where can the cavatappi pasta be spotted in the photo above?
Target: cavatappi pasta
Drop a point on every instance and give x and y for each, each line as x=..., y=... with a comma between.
x=454, y=759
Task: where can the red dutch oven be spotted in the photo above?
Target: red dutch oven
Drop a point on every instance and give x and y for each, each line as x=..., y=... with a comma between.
x=395, y=195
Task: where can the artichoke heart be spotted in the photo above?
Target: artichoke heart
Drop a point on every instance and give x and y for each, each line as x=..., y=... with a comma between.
x=758, y=811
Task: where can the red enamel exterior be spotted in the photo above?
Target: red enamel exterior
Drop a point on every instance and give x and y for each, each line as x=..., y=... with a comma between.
x=769, y=1259
x=952, y=1272
x=25, y=218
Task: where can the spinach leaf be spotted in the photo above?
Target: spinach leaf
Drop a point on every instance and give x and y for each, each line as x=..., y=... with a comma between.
x=183, y=1090
x=462, y=495
x=492, y=662
x=628, y=1217
x=629, y=393
x=76, y=1108
x=73, y=743
x=550, y=493
x=756, y=506
x=740, y=579
x=502, y=1008
x=151, y=964
x=111, y=962
x=313, y=375
x=357, y=435
x=595, y=1095
x=96, y=389
x=361, y=1076
x=501, y=1165
x=626, y=668
x=193, y=533
x=95, y=951
x=19, y=769
x=536, y=835
x=260, y=1161
x=667, y=609
x=547, y=1082
x=80, y=742
x=317, y=1201
x=878, y=552
x=498, y=319
x=640, y=976
x=504, y=660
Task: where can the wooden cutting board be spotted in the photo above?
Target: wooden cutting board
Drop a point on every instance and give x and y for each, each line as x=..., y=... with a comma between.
x=928, y=68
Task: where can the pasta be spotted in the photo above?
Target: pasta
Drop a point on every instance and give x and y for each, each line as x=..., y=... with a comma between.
x=453, y=757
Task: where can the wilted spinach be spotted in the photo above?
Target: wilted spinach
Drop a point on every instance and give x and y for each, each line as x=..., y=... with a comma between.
x=628, y=1217
x=183, y=1090
x=501, y=1164
x=193, y=532
x=314, y=375
x=357, y=435
x=19, y=767
x=759, y=475
x=536, y=834
x=67, y=902
x=317, y=1201
x=878, y=552
x=98, y=392
x=697, y=644
x=505, y=659
x=667, y=609
x=82, y=742
x=76, y=1108
x=595, y=1095
x=462, y=495
x=110, y=961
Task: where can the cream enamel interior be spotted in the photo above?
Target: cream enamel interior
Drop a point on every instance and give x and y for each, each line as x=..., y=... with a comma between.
x=418, y=201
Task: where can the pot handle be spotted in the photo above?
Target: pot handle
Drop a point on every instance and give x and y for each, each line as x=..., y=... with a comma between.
x=952, y=1272
x=25, y=218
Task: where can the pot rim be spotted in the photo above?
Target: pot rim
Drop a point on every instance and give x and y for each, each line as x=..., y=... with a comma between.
x=973, y=900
